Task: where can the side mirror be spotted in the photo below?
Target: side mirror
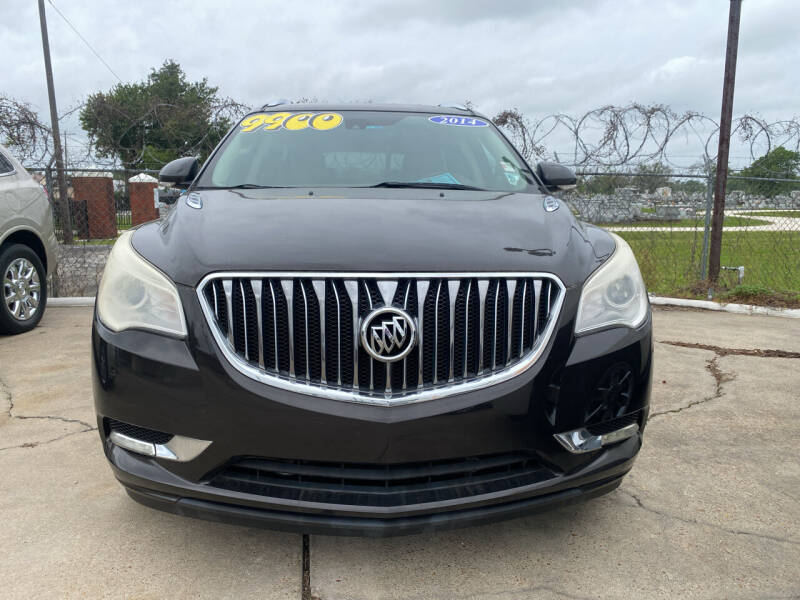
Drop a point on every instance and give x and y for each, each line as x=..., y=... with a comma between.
x=555, y=176
x=180, y=171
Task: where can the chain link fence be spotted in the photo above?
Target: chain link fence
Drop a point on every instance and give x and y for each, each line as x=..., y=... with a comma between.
x=101, y=205
x=665, y=218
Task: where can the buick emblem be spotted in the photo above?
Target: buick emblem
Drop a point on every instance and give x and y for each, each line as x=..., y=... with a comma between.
x=388, y=334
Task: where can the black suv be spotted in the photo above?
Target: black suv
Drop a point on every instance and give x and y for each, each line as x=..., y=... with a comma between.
x=369, y=319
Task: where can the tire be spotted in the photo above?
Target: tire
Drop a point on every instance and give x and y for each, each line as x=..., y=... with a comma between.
x=22, y=299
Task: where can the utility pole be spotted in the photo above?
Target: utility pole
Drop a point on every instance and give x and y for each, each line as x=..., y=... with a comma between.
x=724, y=140
x=66, y=223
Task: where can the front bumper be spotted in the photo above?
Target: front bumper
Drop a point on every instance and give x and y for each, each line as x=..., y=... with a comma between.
x=188, y=500
x=187, y=388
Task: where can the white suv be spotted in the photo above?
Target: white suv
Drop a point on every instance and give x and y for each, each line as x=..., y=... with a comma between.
x=28, y=247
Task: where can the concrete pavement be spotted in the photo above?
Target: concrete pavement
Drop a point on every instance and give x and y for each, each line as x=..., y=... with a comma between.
x=710, y=509
x=68, y=530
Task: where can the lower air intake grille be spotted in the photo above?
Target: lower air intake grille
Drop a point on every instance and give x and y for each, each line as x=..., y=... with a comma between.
x=613, y=425
x=304, y=329
x=381, y=485
x=139, y=433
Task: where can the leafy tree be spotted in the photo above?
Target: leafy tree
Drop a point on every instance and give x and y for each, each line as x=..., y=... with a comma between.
x=690, y=186
x=149, y=123
x=648, y=177
x=645, y=178
x=605, y=183
x=778, y=163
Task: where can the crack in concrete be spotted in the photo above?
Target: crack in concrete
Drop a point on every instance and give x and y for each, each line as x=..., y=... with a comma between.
x=529, y=592
x=55, y=418
x=721, y=351
x=44, y=442
x=305, y=572
x=720, y=377
x=764, y=536
x=5, y=394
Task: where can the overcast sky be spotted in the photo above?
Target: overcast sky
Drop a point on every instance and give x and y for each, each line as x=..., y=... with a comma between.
x=541, y=57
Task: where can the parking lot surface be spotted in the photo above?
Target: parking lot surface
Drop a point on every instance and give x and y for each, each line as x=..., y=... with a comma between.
x=710, y=510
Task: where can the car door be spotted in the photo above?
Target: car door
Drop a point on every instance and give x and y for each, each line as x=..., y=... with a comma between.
x=9, y=199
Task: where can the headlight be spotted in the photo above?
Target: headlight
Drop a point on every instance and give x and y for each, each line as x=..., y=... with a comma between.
x=134, y=294
x=614, y=294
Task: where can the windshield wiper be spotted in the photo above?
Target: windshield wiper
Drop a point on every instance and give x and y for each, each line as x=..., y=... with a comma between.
x=246, y=186
x=240, y=186
x=426, y=184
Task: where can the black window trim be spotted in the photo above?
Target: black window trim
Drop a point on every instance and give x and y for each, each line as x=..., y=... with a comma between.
x=6, y=159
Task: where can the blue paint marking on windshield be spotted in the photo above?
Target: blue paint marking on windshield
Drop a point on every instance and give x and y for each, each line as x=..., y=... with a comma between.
x=459, y=121
x=440, y=178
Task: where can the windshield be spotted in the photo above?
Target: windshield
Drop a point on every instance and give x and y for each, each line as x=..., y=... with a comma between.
x=366, y=149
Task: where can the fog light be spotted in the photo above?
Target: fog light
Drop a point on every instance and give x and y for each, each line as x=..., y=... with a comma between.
x=155, y=443
x=579, y=441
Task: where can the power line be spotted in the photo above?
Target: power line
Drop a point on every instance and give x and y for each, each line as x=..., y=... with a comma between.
x=88, y=45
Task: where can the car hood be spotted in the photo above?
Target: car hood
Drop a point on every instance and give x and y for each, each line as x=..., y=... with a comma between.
x=374, y=230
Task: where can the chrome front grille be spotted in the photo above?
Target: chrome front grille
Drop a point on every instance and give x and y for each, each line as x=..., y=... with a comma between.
x=300, y=331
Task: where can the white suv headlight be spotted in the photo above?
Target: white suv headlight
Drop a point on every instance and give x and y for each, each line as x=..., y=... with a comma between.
x=134, y=294
x=614, y=294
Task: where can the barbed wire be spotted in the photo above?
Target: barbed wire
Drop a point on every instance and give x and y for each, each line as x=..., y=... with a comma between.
x=609, y=137
x=616, y=136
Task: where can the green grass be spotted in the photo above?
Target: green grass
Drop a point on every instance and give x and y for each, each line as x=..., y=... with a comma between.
x=670, y=261
x=791, y=214
x=734, y=221
x=755, y=294
x=106, y=242
x=649, y=210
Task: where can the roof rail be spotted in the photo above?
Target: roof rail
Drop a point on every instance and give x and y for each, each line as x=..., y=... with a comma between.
x=457, y=105
x=277, y=102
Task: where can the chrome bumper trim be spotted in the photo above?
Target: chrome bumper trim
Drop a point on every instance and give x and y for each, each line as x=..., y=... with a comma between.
x=580, y=441
x=180, y=448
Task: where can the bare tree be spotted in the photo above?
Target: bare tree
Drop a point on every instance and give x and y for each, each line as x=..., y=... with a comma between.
x=24, y=132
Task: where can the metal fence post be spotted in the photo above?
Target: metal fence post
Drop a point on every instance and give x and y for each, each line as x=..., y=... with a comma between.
x=49, y=185
x=707, y=226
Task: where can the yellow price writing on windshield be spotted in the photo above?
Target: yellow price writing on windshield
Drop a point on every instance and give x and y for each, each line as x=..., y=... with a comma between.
x=291, y=121
x=325, y=121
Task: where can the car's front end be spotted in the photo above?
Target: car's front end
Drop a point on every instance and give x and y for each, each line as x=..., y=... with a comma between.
x=370, y=359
